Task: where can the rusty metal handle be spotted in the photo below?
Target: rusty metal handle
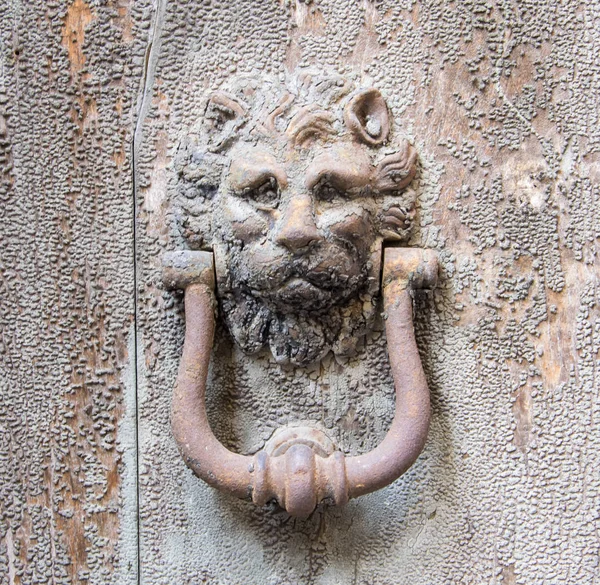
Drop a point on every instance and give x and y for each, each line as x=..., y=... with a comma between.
x=300, y=467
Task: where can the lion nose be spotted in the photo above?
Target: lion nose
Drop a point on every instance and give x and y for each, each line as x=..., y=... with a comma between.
x=298, y=229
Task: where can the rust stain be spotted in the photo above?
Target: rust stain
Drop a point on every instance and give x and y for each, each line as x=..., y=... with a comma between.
x=523, y=411
x=84, y=113
x=119, y=157
x=367, y=44
x=308, y=18
x=305, y=20
x=298, y=467
x=124, y=20
x=78, y=18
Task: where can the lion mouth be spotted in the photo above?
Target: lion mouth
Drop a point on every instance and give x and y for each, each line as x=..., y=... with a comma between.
x=301, y=294
x=311, y=283
x=302, y=288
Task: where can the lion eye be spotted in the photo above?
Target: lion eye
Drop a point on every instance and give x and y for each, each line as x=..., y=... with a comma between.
x=325, y=191
x=265, y=196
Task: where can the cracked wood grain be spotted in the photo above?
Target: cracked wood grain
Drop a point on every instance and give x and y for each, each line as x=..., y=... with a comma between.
x=69, y=78
x=501, y=102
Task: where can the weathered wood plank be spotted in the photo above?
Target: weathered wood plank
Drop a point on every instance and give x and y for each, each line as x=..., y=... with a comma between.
x=501, y=101
x=69, y=78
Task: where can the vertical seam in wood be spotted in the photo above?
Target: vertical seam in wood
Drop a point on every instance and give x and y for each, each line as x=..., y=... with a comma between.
x=150, y=63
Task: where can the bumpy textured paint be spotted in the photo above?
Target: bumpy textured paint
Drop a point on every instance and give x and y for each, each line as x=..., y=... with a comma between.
x=501, y=102
x=69, y=79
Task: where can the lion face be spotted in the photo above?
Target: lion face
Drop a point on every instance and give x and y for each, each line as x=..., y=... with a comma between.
x=295, y=199
x=305, y=225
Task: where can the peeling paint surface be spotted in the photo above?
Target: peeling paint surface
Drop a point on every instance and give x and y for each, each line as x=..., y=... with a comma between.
x=79, y=16
x=500, y=99
x=501, y=102
x=69, y=78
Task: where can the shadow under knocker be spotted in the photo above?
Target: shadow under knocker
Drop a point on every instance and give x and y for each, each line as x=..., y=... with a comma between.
x=300, y=466
x=295, y=186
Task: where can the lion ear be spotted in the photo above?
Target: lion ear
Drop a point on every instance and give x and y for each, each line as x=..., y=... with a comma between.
x=225, y=114
x=368, y=118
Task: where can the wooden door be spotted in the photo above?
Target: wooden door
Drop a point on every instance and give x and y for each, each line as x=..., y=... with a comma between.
x=500, y=100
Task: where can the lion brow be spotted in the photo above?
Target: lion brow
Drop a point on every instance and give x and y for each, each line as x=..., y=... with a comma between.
x=308, y=122
x=282, y=106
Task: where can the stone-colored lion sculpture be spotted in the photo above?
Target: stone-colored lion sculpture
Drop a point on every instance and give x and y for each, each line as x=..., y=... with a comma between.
x=294, y=184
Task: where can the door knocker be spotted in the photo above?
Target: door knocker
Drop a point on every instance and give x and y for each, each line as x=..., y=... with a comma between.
x=294, y=186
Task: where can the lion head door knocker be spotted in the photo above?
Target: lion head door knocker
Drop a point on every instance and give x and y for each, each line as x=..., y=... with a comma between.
x=294, y=185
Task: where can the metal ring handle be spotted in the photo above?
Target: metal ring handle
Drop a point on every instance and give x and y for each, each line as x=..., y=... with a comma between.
x=300, y=468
